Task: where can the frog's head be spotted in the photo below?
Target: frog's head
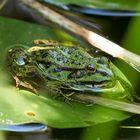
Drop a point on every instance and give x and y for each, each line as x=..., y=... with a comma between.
x=17, y=59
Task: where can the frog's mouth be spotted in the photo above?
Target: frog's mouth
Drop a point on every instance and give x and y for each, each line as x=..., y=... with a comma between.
x=106, y=86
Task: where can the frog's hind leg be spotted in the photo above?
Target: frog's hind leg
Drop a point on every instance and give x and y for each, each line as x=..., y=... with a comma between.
x=45, y=42
x=24, y=84
x=43, y=45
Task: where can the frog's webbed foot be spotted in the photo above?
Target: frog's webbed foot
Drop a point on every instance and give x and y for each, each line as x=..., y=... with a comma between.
x=24, y=84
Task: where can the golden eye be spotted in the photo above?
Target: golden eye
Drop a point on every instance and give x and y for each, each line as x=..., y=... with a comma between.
x=91, y=67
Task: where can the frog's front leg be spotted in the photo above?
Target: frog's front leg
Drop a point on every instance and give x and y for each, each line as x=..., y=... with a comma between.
x=68, y=98
x=24, y=84
x=57, y=93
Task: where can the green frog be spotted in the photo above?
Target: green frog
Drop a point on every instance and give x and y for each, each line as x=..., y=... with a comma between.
x=62, y=69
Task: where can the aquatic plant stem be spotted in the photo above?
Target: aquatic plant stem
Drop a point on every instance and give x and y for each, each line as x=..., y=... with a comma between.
x=93, y=38
x=110, y=103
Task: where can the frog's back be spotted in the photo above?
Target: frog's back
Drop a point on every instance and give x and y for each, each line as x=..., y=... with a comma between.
x=73, y=64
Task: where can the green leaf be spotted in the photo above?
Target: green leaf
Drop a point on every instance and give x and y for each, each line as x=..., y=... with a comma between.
x=20, y=106
x=103, y=4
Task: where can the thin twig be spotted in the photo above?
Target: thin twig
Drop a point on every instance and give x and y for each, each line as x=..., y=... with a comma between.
x=3, y=4
x=92, y=37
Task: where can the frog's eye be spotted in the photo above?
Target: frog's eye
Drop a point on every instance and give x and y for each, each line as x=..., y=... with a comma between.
x=20, y=61
x=91, y=67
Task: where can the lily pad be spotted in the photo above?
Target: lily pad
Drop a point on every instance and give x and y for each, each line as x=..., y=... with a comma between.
x=21, y=106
